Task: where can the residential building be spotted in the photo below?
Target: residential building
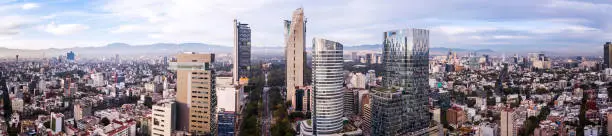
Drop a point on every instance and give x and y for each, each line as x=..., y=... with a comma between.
x=400, y=105
x=56, y=122
x=303, y=99
x=82, y=109
x=196, y=96
x=242, y=51
x=507, y=122
x=295, y=53
x=164, y=118
x=349, y=102
x=327, y=85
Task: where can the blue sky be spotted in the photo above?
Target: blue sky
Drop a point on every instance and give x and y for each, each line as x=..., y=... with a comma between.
x=518, y=25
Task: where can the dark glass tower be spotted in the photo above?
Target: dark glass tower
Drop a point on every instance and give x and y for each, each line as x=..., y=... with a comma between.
x=242, y=51
x=399, y=107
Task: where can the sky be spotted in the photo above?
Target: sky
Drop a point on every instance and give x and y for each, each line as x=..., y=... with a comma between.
x=517, y=25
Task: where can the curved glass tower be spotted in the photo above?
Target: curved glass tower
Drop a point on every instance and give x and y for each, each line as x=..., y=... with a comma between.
x=327, y=84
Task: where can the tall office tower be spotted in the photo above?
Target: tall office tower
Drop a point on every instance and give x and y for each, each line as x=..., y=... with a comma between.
x=327, y=82
x=607, y=55
x=399, y=107
x=242, y=51
x=70, y=56
x=196, y=97
x=164, y=115
x=295, y=35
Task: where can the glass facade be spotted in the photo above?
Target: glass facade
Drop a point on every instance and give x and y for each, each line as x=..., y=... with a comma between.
x=227, y=123
x=400, y=105
x=327, y=69
x=242, y=50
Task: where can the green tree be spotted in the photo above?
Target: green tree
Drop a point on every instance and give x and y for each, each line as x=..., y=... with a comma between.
x=104, y=121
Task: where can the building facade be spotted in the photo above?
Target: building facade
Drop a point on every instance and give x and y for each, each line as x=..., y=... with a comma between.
x=295, y=53
x=242, y=51
x=164, y=118
x=227, y=123
x=196, y=96
x=400, y=106
x=328, y=86
x=607, y=55
x=81, y=110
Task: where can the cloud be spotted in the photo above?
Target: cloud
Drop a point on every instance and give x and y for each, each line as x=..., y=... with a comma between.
x=521, y=24
x=64, y=29
x=29, y=6
x=15, y=25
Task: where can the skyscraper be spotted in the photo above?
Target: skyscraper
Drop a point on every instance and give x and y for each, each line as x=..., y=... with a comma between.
x=242, y=51
x=607, y=55
x=328, y=86
x=70, y=56
x=295, y=35
x=196, y=96
x=399, y=107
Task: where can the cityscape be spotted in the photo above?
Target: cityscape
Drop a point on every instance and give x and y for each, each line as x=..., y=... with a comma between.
x=548, y=74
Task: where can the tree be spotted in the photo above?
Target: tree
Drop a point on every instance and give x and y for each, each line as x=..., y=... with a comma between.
x=148, y=101
x=104, y=121
x=609, y=93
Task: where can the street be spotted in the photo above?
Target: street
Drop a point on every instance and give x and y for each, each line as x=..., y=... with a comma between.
x=266, y=115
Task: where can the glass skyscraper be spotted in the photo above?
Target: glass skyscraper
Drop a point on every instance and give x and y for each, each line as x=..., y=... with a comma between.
x=242, y=51
x=399, y=107
x=327, y=81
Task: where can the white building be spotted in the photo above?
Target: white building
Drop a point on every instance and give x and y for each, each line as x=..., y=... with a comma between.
x=229, y=96
x=164, y=115
x=327, y=84
x=98, y=79
x=358, y=80
x=56, y=122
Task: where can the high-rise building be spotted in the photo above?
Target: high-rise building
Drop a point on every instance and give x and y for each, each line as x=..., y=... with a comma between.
x=507, y=122
x=366, y=114
x=56, y=122
x=327, y=85
x=349, y=101
x=608, y=55
x=117, y=59
x=70, y=56
x=242, y=51
x=370, y=78
x=400, y=106
x=196, y=96
x=81, y=109
x=164, y=118
x=295, y=38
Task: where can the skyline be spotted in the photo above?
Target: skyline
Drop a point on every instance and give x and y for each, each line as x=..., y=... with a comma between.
x=521, y=26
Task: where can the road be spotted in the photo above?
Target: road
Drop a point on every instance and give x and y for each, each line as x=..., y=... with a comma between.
x=266, y=115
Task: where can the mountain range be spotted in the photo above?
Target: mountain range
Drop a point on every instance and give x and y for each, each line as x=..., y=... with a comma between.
x=171, y=49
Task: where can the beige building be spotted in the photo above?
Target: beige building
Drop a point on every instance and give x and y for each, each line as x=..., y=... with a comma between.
x=295, y=35
x=195, y=97
x=81, y=109
x=163, y=122
x=507, y=122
